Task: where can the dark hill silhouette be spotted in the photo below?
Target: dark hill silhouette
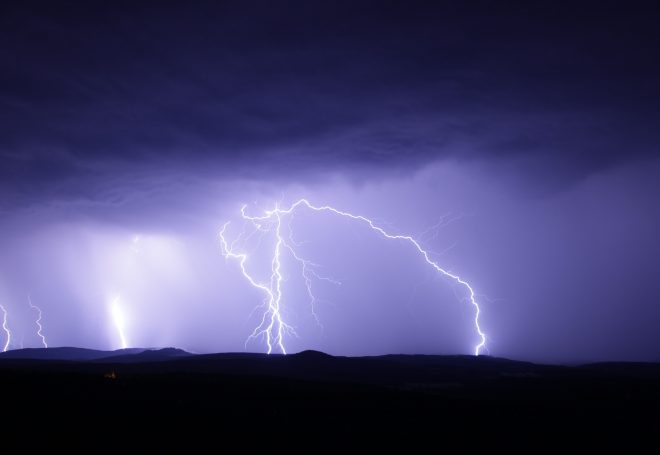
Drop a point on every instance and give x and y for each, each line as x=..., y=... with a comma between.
x=146, y=355
x=311, y=354
x=163, y=395
x=86, y=355
x=66, y=353
x=432, y=370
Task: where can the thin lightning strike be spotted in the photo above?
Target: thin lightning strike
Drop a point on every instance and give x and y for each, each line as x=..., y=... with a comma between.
x=307, y=270
x=272, y=325
x=38, y=322
x=5, y=328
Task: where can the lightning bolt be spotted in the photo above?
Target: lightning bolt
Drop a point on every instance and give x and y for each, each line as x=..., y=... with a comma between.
x=5, y=328
x=116, y=312
x=272, y=325
x=118, y=318
x=38, y=322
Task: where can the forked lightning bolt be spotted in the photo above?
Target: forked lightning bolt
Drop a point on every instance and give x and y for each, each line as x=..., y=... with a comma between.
x=5, y=327
x=38, y=322
x=272, y=325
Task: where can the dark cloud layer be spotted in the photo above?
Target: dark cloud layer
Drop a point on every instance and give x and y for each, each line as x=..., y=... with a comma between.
x=301, y=85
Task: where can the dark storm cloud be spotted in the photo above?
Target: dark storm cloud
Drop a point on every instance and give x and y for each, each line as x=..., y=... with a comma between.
x=304, y=86
x=122, y=121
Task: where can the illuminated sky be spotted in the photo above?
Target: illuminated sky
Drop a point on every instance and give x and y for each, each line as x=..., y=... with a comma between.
x=130, y=133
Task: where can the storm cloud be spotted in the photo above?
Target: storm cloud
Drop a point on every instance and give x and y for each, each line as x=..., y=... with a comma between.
x=535, y=125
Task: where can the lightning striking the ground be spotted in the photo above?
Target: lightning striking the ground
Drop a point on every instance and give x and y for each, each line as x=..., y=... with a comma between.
x=118, y=319
x=273, y=326
x=5, y=327
x=38, y=322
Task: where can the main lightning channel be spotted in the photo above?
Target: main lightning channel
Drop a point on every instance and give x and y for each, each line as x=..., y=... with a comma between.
x=38, y=322
x=272, y=325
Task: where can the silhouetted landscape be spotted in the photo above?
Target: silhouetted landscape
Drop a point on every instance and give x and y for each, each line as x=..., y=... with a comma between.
x=166, y=396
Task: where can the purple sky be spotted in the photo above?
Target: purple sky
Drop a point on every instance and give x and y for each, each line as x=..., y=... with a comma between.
x=532, y=128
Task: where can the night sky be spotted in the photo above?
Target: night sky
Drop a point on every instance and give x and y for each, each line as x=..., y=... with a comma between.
x=525, y=136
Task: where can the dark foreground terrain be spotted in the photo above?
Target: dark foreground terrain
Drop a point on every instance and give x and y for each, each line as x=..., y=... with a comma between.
x=95, y=400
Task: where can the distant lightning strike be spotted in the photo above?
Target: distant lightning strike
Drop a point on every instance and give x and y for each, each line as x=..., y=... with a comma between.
x=272, y=325
x=118, y=318
x=38, y=322
x=5, y=327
